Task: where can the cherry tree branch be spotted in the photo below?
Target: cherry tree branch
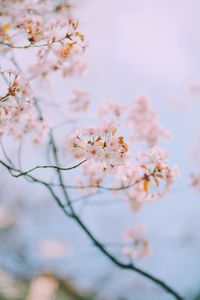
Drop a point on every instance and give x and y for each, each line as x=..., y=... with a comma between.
x=99, y=245
x=70, y=212
x=66, y=204
x=49, y=167
x=4, y=98
x=31, y=45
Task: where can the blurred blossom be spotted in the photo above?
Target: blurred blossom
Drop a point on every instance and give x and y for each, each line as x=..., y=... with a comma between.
x=53, y=249
x=110, y=107
x=80, y=101
x=9, y=287
x=7, y=218
x=43, y=288
x=194, y=88
x=138, y=245
x=144, y=119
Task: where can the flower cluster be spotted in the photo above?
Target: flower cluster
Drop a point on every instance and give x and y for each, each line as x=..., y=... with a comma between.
x=130, y=177
x=79, y=102
x=144, y=119
x=111, y=107
x=15, y=99
x=17, y=115
x=29, y=125
x=93, y=175
x=4, y=32
x=147, y=178
x=137, y=246
x=18, y=88
x=100, y=144
x=47, y=27
x=156, y=168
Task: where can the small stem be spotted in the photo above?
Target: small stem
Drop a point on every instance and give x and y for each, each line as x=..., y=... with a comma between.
x=50, y=167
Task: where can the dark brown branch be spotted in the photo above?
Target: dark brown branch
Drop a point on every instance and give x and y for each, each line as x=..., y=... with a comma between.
x=69, y=210
x=49, y=167
x=4, y=98
x=72, y=214
x=36, y=180
x=125, y=266
x=99, y=245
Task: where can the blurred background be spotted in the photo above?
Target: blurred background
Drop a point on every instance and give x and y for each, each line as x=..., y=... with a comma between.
x=134, y=46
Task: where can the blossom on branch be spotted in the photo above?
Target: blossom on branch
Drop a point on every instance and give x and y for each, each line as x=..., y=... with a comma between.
x=53, y=33
x=111, y=107
x=156, y=171
x=79, y=102
x=137, y=246
x=144, y=119
x=147, y=177
x=100, y=144
x=17, y=114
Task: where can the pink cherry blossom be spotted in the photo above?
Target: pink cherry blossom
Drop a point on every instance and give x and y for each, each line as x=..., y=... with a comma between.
x=111, y=107
x=99, y=143
x=145, y=122
x=137, y=246
x=118, y=153
x=79, y=102
x=156, y=168
x=17, y=114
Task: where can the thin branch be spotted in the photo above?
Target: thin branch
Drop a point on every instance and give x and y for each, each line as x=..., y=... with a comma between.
x=100, y=246
x=101, y=187
x=94, y=240
x=36, y=180
x=4, y=98
x=31, y=45
x=5, y=154
x=49, y=167
x=129, y=266
x=69, y=210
